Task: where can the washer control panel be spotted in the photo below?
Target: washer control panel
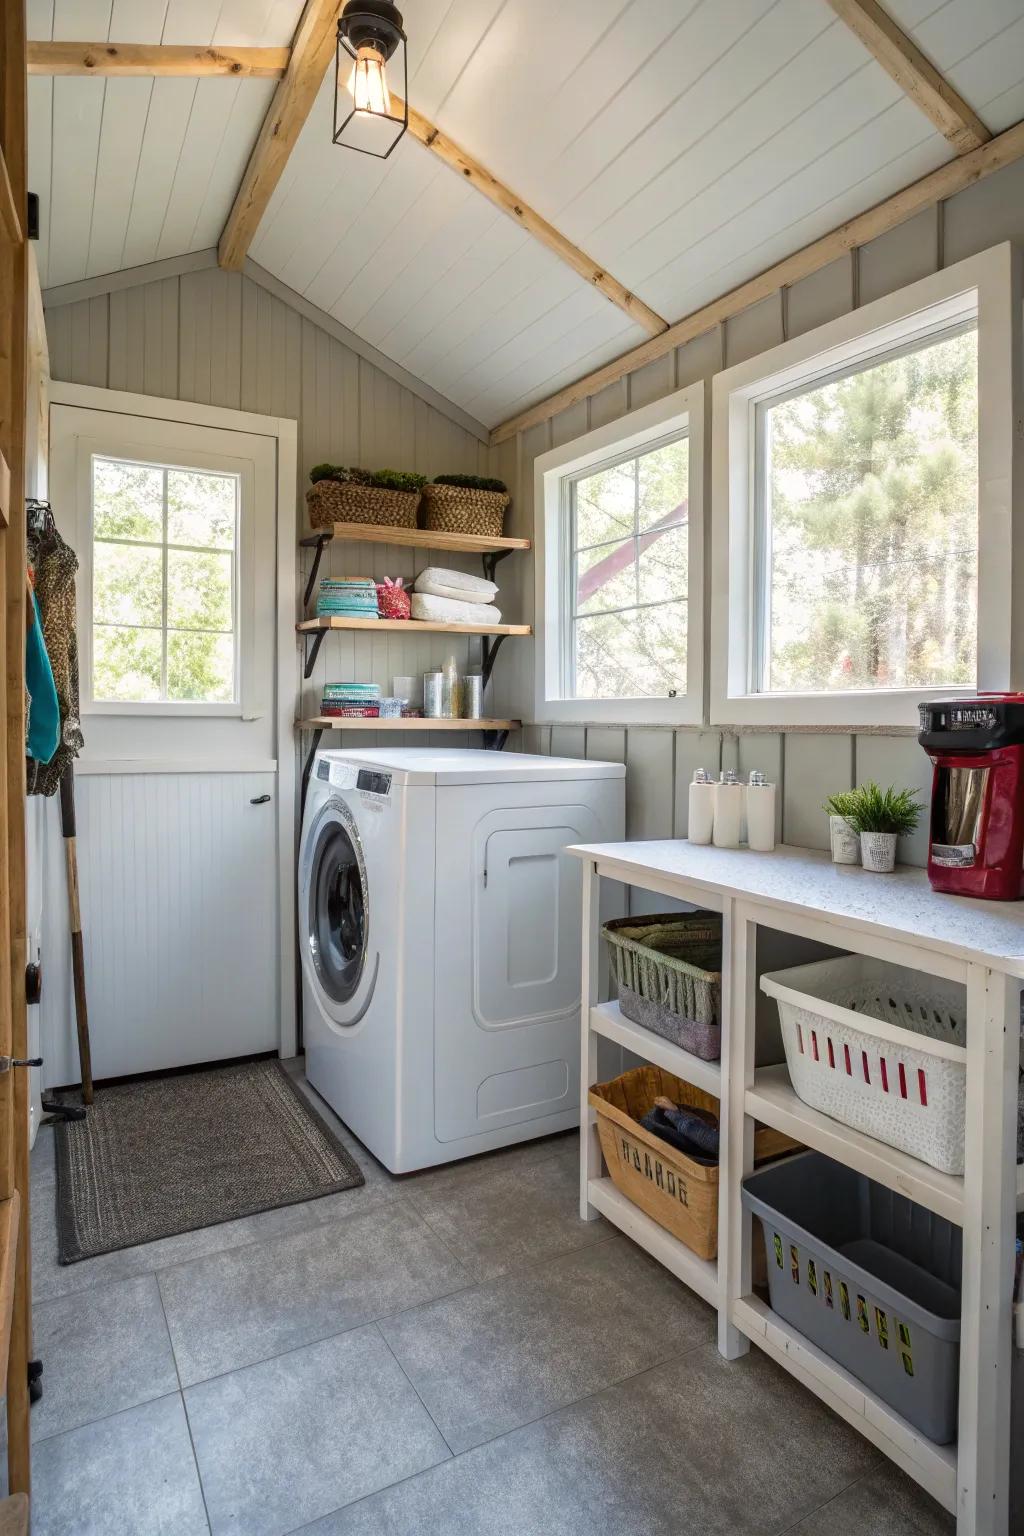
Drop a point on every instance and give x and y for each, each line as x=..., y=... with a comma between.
x=373, y=783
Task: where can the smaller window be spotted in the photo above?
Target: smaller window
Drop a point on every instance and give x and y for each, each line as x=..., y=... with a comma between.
x=164, y=583
x=619, y=543
x=627, y=577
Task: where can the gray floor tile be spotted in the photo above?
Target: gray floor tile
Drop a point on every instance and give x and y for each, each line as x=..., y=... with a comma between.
x=446, y=1175
x=130, y=1475
x=285, y=1442
x=492, y=1357
x=42, y=1163
x=696, y=1445
x=233, y=1309
x=102, y=1351
x=508, y=1216
x=884, y=1503
x=50, y=1278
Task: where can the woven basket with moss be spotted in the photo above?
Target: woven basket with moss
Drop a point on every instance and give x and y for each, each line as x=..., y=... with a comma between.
x=465, y=504
x=383, y=497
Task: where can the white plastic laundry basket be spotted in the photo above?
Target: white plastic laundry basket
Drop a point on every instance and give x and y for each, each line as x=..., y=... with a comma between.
x=881, y=1048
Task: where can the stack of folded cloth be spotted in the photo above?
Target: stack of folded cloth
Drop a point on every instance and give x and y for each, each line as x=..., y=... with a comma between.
x=452, y=597
x=353, y=700
x=347, y=597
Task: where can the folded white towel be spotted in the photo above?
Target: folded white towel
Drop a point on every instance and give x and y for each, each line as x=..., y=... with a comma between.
x=456, y=594
x=470, y=589
x=445, y=610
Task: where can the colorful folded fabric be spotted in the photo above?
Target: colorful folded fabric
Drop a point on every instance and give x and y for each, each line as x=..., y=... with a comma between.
x=351, y=711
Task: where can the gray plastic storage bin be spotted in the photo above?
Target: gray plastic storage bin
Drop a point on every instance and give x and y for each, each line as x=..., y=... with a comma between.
x=870, y=1278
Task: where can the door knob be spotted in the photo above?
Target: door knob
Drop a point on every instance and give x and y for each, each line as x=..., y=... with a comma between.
x=259, y=800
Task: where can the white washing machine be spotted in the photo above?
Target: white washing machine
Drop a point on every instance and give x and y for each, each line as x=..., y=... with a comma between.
x=439, y=930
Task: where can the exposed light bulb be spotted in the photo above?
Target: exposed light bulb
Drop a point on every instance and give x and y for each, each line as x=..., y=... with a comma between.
x=368, y=83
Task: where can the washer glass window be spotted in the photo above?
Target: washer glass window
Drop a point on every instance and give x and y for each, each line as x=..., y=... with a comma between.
x=337, y=911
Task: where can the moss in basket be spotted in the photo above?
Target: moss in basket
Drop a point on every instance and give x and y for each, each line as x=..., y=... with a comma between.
x=871, y=809
x=327, y=472
x=397, y=480
x=473, y=482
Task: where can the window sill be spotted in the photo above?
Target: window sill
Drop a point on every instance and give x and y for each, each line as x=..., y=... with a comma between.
x=680, y=711
x=164, y=707
x=878, y=708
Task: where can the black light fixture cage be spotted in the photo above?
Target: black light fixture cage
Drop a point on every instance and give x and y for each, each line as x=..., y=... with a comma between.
x=376, y=24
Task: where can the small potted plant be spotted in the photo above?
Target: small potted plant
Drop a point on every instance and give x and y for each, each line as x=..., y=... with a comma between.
x=880, y=816
x=844, y=839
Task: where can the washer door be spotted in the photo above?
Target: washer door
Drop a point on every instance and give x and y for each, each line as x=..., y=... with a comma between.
x=339, y=906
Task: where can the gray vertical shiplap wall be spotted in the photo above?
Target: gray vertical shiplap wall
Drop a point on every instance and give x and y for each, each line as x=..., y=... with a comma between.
x=218, y=338
x=807, y=765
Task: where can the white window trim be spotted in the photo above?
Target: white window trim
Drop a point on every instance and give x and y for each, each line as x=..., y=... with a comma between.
x=988, y=286
x=681, y=411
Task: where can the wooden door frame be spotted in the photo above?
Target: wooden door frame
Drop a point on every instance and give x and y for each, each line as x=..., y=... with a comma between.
x=15, y=1276
x=285, y=432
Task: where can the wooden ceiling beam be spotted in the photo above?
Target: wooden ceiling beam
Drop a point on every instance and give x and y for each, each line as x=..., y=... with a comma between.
x=311, y=52
x=931, y=189
x=132, y=59
x=478, y=176
x=914, y=73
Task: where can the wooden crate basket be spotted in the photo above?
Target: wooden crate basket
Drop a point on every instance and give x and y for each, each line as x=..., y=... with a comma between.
x=678, y=1193
x=333, y=501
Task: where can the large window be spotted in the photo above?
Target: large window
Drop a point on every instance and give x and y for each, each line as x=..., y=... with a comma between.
x=862, y=500
x=628, y=573
x=619, y=569
x=164, y=582
x=868, y=526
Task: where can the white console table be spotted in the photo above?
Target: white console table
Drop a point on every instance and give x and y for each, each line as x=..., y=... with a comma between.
x=894, y=917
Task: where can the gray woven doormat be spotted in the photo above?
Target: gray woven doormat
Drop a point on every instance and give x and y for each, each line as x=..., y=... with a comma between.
x=166, y=1155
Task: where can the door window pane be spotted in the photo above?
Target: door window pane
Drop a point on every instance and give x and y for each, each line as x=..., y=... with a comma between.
x=164, y=579
x=630, y=538
x=869, y=526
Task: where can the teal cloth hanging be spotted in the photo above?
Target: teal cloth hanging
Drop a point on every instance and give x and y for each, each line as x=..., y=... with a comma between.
x=43, y=709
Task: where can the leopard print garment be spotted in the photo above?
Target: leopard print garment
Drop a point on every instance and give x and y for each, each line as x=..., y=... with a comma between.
x=55, y=566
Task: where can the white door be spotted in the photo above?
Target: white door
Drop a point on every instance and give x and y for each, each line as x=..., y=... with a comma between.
x=176, y=526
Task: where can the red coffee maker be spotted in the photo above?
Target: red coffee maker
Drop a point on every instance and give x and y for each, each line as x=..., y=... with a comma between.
x=976, y=840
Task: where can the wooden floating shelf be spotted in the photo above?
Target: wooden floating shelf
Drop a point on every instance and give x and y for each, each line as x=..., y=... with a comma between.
x=412, y=627
x=374, y=723
x=415, y=538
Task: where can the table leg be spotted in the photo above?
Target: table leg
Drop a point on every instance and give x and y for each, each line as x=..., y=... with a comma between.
x=590, y=1146
x=990, y=1186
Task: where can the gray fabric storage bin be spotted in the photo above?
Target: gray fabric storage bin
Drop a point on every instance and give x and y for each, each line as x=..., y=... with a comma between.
x=869, y=1277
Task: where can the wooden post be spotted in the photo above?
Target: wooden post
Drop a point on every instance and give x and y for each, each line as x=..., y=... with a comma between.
x=739, y=1000
x=14, y=1173
x=590, y=1146
x=990, y=1187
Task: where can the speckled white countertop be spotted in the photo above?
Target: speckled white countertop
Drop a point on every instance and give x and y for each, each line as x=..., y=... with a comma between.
x=902, y=904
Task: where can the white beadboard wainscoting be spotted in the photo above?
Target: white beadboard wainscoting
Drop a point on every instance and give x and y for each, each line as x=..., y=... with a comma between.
x=180, y=949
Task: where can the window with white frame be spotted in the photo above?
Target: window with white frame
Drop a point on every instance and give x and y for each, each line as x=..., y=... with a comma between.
x=164, y=583
x=859, y=534
x=619, y=514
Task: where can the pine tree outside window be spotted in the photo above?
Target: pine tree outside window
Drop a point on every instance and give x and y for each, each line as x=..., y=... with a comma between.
x=866, y=477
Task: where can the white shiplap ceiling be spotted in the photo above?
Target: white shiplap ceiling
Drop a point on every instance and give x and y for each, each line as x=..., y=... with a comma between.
x=683, y=144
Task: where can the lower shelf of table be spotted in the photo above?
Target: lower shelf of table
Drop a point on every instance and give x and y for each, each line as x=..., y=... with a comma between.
x=609, y=1020
x=933, y=1466
x=701, y=1275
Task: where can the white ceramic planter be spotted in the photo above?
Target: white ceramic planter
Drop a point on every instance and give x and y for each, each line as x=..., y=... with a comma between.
x=845, y=842
x=878, y=851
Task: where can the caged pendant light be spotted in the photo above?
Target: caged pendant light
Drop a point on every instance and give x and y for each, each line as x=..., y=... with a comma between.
x=369, y=35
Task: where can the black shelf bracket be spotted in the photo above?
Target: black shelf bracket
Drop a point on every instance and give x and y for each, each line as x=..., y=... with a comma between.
x=491, y=647
x=307, y=768
x=491, y=559
x=494, y=740
x=312, y=651
x=317, y=542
